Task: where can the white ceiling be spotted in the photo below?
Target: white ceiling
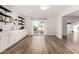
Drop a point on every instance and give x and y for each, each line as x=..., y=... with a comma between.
x=35, y=11
x=76, y=13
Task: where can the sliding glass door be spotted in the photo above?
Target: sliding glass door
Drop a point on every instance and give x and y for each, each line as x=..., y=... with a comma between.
x=38, y=26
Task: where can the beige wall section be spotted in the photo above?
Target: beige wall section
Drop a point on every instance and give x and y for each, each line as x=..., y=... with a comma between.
x=28, y=25
x=59, y=27
x=51, y=26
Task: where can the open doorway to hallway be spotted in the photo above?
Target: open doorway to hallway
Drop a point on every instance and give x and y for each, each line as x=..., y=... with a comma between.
x=70, y=27
x=38, y=26
x=73, y=31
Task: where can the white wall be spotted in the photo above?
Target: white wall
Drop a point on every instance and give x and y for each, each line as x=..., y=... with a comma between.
x=51, y=26
x=28, y=25
x=59, y=27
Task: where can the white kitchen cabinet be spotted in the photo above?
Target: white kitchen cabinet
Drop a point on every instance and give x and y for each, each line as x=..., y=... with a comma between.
x=3, y=42
x=9, y=38
x=13, y=37
x=20, y=35
x=0, y=45
x=16, y=36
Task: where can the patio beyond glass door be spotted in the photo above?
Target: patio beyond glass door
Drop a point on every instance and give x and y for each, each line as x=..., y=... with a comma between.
x=38, y=27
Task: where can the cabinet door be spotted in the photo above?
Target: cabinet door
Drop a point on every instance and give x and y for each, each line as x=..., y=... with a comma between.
x=19, y=35
x=0, y=45
x=3, y=42
x=16, y=36
x=11, y=39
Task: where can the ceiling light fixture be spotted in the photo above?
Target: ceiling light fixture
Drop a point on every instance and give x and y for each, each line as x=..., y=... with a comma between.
x=44, y=7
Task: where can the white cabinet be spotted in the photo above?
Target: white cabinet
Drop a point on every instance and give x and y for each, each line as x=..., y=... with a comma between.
x=0, y=45
x=7, y=39
x=3, y=42
x=16, y=36
x=11, y=39
x=20, y=34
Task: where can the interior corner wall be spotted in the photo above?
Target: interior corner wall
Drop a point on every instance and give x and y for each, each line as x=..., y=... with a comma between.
x=59, y=27
x=64, y=26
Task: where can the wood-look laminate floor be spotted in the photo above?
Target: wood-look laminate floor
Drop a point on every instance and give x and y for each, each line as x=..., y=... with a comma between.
x=43, y=45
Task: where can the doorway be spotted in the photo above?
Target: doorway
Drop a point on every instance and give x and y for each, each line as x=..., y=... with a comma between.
x=73, y=31
x=38, y=27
